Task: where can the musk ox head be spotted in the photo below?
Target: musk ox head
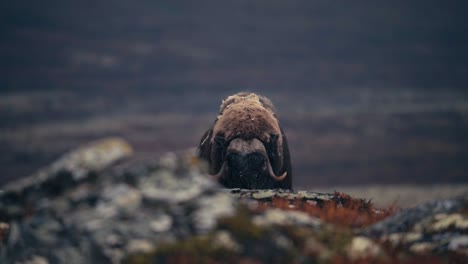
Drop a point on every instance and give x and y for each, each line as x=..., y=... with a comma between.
x=246, y=147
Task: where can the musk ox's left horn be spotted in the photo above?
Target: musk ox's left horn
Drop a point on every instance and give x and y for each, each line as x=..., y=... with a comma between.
x=273, y=175
x=218, y=175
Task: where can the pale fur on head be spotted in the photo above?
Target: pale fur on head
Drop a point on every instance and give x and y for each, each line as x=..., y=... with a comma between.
x=247, y=116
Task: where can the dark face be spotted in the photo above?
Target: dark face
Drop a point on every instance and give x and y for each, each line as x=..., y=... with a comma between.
x=247, y=171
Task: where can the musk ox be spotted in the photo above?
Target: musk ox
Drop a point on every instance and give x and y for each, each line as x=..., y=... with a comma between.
x=246, y=147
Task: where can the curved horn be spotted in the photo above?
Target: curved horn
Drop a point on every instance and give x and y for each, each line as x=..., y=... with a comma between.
x=272, y=174
x=218, y=175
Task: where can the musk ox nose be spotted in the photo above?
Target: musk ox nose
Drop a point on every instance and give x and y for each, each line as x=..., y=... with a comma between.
x=248, y=171
x=246, y=162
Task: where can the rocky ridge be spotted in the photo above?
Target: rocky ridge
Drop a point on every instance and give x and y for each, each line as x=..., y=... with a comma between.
x=97, y=205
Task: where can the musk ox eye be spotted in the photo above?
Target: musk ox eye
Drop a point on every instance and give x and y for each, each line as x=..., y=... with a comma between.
x=220, y=140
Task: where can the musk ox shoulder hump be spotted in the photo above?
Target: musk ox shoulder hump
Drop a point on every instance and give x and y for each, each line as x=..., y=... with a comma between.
x=244, y=96
x=247, y=115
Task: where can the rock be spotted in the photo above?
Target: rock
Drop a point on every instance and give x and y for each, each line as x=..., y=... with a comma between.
x=363, y=247
x=36, y=260
x=86, y=209
x=279, y=193
x=210, y=208
x=166, y=186
x=281, y=217
x=433, y=227
x=267, y=194
x=314, y=247
x=105, y=219
x=459, y=243
x=407, y=219
x=444, y=222
x=161, y=223
x=224, y=239
x=315, y=196
x=78, y=163
x=70, y=170
x=403, y=238
x=139, y=246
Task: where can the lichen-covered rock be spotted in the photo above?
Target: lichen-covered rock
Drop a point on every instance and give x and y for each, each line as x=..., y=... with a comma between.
x=455, y=221
x=280, y=193
x=363, y=247
x=103, y=219
x=73, y=168
x=86, y=209
x=433, y=227
x=277, y=217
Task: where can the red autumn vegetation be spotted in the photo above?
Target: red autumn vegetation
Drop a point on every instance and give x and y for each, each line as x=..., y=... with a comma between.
x=343, y=210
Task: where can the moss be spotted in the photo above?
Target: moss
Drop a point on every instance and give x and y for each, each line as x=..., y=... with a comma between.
x=241, y=225
x=335, y=238
x=199, y=249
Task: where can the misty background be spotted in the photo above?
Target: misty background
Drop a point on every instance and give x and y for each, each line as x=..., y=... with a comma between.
x=368, y=92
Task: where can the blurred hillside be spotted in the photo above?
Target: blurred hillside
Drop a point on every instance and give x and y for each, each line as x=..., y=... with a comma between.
x=366, y=92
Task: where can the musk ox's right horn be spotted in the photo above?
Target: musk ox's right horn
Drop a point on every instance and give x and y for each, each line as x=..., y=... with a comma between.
x=273, y=175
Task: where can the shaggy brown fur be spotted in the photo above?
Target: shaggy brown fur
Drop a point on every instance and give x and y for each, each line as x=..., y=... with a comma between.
x=247, y=115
